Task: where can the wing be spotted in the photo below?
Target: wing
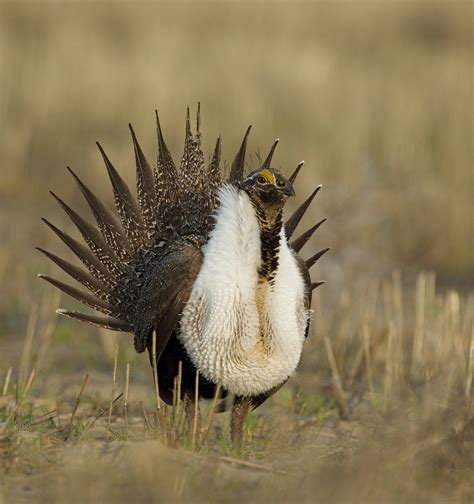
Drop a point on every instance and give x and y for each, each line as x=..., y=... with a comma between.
x=165, y=294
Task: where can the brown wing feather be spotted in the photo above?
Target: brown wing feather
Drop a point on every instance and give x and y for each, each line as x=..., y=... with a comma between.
x=164, y=295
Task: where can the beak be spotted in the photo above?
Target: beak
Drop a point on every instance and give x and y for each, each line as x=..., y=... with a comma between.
x=288, y=191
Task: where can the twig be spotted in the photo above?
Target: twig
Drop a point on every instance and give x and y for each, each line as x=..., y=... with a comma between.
x=28, y=385
x=178, y=404
x=99, y=415
x=44, y=418
x=145, y=416
x=28, y=344
x=356, y=363
x=20, y=399
x=336, y=378
x=160, y=413
x=196, y=408
x=455, y=324
x=388, y=363
x=398, y=312
x=76, y=406
x=46, y=335
x=155, y=372
x=125, y=402
x=182, y=409
x=470, y=368
x=164, y=423
x=114, y=383
x=175, y=400
x=420, y=317
x=7, y=381
x=211, y=414
x=387, y=295
x=366, y=343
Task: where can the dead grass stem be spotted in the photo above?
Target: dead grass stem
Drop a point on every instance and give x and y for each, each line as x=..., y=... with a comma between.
x=112, y=395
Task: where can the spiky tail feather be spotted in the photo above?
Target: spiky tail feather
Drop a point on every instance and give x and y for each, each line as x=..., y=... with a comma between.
x=126, y=246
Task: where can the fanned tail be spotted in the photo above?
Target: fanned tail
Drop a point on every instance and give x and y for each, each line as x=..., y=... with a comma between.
x=85, y=255
x=145, y=188
x=93, y=238
x=83, y=277
x=163, y=226
x=107, y=221
x=84, y=297
x=127, y=246
x=125, y=204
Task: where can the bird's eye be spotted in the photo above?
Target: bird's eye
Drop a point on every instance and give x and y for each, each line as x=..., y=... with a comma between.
x=281, y=183
x=261, y=179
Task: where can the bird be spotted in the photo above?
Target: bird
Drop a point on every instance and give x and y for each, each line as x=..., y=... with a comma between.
x=201, y=268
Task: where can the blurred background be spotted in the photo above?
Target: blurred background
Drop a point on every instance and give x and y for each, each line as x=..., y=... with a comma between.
x=376, y=97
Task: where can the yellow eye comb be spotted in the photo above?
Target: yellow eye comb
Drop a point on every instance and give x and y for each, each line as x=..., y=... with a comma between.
x=268, y=175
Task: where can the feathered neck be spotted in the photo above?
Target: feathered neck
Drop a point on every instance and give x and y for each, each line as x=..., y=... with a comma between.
x=269, y=216
x=270, y=222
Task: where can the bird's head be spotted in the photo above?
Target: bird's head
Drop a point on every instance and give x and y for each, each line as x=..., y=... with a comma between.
x=267, y=187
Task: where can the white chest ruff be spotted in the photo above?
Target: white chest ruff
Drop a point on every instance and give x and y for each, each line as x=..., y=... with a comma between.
x=248, y=338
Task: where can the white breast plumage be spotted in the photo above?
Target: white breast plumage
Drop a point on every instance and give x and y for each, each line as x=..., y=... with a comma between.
x=228, y=338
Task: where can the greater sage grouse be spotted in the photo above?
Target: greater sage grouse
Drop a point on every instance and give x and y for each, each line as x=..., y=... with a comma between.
x=205, y=263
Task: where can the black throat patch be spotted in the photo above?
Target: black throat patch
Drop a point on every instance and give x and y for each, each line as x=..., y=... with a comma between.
x=270, y=221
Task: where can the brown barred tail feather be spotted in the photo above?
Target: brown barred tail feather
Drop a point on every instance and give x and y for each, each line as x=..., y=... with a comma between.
x=293, y=176
x=101, y=321
x=294, y=220
x=125, y=203
x=85, y=255
x=313, y=259
x=93, y=238
x=301, y=241
x=83, y=277
x=214, y=170
x=84, y=297
x=238, y=165
x=108, y=223
x=315, y=285
x=145, y=187
x=268, y=160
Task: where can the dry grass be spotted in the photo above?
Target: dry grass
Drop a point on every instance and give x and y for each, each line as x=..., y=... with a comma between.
x=380, y=410
x=377, y=98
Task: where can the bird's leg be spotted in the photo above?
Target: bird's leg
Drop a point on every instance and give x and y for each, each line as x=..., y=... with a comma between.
x=239, y=412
